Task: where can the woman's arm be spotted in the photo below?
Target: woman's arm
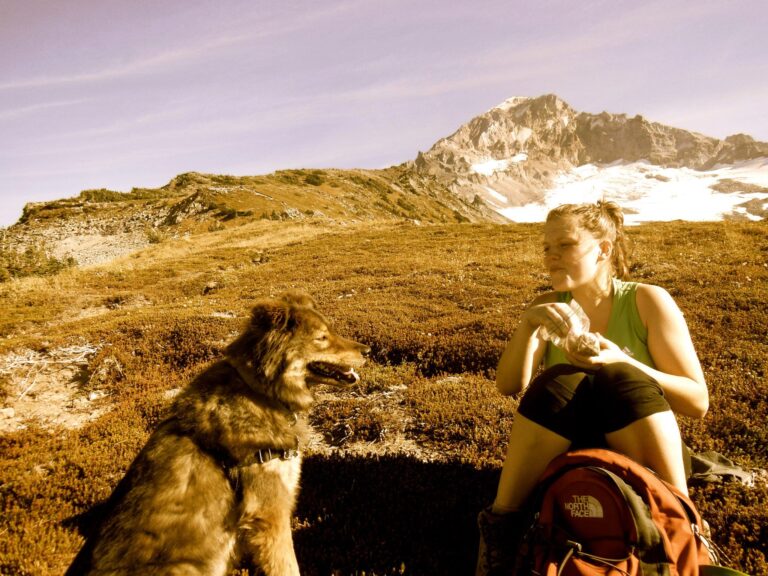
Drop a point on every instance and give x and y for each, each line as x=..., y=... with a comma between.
x=524, y=351
x=678, y=370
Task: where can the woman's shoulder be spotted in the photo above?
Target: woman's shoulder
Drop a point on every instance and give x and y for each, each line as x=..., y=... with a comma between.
x=649, y=291
x=652, y=299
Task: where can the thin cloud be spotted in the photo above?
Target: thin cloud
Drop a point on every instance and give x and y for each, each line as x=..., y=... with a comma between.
x=556, y=52
x=718, y=115
x=251, y=27
x=153, y=64
x=32, y=109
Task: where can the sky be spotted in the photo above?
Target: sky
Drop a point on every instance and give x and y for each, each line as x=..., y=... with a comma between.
x=129, y=93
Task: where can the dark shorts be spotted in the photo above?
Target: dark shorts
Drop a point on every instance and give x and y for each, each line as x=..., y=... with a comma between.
x=584, y=407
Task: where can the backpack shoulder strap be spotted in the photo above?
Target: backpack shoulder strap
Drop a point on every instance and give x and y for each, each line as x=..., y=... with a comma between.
x=650, y=550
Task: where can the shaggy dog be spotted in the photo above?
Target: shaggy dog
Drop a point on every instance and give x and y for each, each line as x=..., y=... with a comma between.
x=216, y=484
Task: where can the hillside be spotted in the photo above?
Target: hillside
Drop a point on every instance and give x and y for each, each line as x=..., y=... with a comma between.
x=99, y=225
x=399, y=465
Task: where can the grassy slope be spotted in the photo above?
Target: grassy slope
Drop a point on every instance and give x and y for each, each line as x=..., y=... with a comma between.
x=436, y=304
x=344, y=195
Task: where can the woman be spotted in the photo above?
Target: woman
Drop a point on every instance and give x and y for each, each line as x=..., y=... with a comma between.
x=623, y=395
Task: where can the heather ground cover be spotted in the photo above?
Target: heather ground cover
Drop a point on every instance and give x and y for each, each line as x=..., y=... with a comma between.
x=401, y=464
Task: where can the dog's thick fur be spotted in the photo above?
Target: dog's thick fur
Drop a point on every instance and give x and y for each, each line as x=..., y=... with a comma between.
x=198, y=500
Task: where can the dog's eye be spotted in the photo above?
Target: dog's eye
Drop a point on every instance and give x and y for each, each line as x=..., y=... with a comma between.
x=322, y=338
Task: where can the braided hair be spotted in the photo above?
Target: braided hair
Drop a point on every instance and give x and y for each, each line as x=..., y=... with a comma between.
x=605, y=221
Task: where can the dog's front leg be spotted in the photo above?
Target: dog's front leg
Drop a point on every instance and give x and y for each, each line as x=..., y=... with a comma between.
x=269, y=544
x=268, y=497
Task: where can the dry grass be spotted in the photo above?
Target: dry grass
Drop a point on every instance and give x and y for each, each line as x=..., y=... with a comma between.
x=402, y=464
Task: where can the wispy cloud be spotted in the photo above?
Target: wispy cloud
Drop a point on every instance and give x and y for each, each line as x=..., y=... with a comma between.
x=252, y=26
x=152, y=64
x=718, y=114
x=606, y=34
x=32, y=109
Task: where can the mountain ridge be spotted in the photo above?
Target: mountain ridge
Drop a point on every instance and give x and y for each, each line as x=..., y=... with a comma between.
x=518, y=148
x=511, y=162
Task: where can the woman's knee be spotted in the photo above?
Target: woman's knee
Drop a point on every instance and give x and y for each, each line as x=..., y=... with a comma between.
x=552, y=399
x=622, y=381
x=552, y=389
x=626, y=394
x=620, y=372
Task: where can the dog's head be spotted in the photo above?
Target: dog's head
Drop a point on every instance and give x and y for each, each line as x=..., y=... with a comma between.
x=288, y=346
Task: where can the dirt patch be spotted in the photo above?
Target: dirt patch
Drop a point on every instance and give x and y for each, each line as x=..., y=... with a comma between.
x=49, y=388
x=90, y=249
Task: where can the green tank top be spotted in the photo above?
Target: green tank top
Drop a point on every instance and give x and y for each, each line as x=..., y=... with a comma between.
x=625, y=328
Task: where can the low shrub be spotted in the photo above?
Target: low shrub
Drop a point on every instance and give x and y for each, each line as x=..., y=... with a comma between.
x=32, y=261
x=436, y=304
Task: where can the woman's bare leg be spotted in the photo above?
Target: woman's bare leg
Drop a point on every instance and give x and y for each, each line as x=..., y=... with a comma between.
x=654, y=441
x=531, y=448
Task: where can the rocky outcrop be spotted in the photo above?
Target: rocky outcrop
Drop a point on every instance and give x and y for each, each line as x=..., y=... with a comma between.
x=737, y=148
x=609, y=138
x=89, y=238
x=192, y=205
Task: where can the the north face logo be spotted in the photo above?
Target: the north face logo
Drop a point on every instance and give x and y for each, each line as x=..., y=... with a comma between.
x=584, y=507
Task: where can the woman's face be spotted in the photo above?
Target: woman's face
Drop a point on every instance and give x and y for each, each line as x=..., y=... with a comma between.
x=572, y=255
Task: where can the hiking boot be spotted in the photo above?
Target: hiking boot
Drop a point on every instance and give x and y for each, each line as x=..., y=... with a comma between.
x=500, y=536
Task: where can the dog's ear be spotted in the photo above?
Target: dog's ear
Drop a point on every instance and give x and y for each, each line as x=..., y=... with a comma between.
x=270, y=315
x=299, y=299
x=266, y=317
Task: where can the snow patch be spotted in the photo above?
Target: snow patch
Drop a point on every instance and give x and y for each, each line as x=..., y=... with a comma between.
x=522, y=134
x=496, y=195
x=743, y=211
x=512, y=102
x=651, y=193
x=489, y=167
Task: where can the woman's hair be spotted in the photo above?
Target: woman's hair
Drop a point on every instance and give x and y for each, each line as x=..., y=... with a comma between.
x=605, y=221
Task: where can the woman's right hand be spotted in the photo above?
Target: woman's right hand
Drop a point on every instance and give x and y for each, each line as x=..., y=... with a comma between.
x=555, y=316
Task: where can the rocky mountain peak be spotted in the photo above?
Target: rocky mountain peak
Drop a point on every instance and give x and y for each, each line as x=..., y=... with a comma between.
x=516, y=126
x=512, y=154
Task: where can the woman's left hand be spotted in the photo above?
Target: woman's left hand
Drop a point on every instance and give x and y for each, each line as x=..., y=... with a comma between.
x=609, y=353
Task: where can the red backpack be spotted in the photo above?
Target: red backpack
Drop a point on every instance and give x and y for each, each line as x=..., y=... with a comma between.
x=598, y=512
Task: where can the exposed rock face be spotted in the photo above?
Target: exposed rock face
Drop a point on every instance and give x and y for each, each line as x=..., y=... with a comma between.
x=739, y=147
x=611, y=137
x=511, y=154
x=88, y=238
x=514, y=149
x=192, y=205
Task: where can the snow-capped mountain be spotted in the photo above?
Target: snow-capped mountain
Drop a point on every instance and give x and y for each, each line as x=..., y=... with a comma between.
x=527, y=155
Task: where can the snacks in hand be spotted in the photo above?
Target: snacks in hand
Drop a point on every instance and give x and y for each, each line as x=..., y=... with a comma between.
x=579, y=341
x=585, y=344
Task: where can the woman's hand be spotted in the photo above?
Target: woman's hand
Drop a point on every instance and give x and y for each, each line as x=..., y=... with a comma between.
x=609, y=353
x=555, y=316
